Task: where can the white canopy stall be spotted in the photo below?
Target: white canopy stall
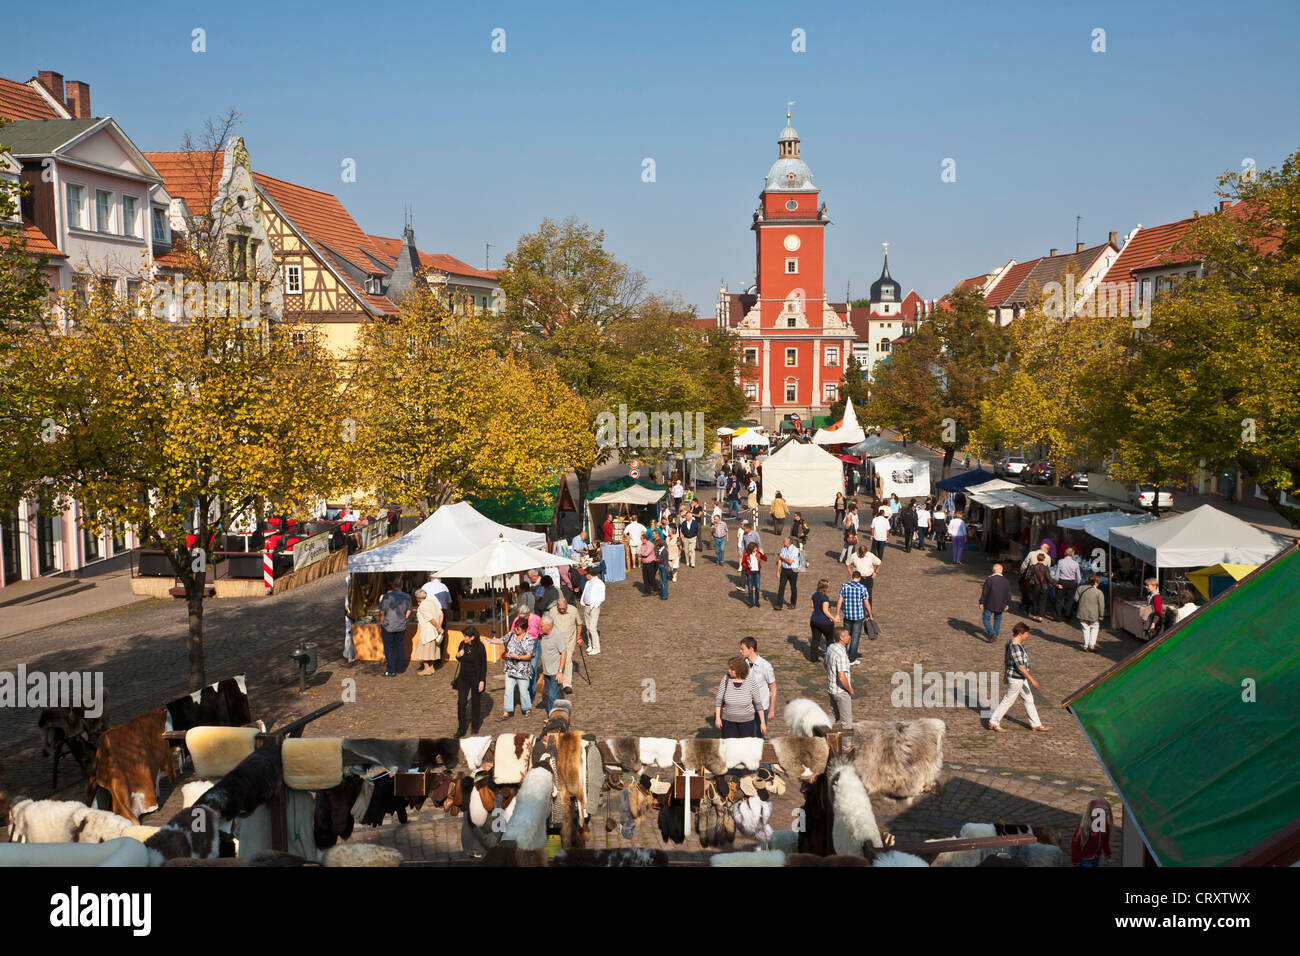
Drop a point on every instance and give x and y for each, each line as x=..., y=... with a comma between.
x=806, y=476
x=451, y=533
x=902, y=475
x=1197, y=539
x=846, y=431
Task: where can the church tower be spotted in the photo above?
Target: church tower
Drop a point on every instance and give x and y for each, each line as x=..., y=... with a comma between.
x=886, y=294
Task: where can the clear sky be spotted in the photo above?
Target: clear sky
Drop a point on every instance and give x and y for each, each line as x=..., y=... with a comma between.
x=484, y=145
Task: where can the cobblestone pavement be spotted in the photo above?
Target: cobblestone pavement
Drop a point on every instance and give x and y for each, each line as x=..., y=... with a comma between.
x=660, y=665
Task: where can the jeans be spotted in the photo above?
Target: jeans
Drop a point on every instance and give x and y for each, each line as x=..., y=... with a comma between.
x=791, y=577
x=664, y=574
x=508, y=700
x=740, y=728
x=537, y=657
x=552, y=692
x=855, y=635
x=920, y=536
x=992, y=623
x=751, y=587
x=468, y=723
x=958, y=542
x=720, y=549
x=878, y=548
x=394, y=650
x=733, y=507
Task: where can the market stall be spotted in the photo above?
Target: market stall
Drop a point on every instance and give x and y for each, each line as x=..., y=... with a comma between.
x=846, y=431
x=874, y=446
x=806, y=476
x=902, y=475
x=619, y=499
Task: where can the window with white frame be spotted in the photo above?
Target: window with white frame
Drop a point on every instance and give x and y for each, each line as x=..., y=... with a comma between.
x=293, y=279
x=791, y=358
x=831, y=391
x=792, y=321
x=792, y=267
x=161, y=228
x=883, y=346
x=832, y=356
x=791, y=391
x=76, y=201
x=133, y=291
x=131, y=216
x=103, y=211
x=751, y=391
x=751, y=356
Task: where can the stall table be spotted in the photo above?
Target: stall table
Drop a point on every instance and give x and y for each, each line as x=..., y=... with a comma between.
x=1131, y=616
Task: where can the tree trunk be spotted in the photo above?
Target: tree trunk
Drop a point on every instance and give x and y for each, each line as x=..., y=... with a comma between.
x=584, y=484
x=948, y=452
x=194, y=603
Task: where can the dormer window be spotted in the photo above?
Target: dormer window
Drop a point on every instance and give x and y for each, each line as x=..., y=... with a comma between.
x=373, y=286
x=161, y=228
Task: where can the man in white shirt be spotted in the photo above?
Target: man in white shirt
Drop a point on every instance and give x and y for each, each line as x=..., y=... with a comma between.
x=957, y=531
x=439, y=591
x=593, y=596
x=788, y=563
x=634, y=532
x=866, y=563
x=761, y=673
x=922, y=525
x=880, y=532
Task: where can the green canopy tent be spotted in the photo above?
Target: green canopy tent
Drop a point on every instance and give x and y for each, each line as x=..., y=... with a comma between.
x=538, y=512
x=1199, y=731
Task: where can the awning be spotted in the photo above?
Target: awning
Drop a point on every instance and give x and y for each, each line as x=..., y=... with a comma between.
x=966, y=480
x=1098, y=525
x=1001, y=498
x=850, y=459
x=1215, y=580
x=1198, y=539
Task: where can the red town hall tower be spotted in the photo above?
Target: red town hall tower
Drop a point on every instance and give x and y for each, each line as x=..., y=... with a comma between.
x=794, y=339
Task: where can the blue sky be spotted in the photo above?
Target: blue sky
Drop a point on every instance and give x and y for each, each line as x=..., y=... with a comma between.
x=485, y=145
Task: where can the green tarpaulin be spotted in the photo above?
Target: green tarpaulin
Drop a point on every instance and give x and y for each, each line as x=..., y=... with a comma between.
x=514, y=509
x=1200, y=731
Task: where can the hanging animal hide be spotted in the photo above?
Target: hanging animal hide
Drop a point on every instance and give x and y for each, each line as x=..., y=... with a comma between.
x=900, y=759
x=853, y=821
x=806, y=719
x=703, y=752
x=801, y=756
x=626, y=752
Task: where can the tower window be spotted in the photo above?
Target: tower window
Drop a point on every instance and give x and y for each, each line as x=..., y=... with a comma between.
x=792, y=267
x=751, y=391
x=751, y=356
x=791, y=322
x=791, y=358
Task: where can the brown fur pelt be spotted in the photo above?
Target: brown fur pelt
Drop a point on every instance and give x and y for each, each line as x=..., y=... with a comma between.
x=128, y=759
x=796, y=753
x=900, y=759
x=569, y=774
x=704, y=752
x=434, y=752
x=627, y=752
x=639, y=799
x=506, y=853
x=623, y=857
x=812, y=859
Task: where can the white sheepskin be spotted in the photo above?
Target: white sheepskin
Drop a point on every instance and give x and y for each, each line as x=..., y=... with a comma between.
x=802, y=715
x=99, y=826
x=506, y=767
x=972, y=831
x=894, y=858
x=362, y=854
x=190, y=792
x=743, y=752
x=218, y=750
x=312, y=763
x=44, y=821
x=855, y=821
x=1031, y=854
x=753, y=816
x=532, y=805
x=120, y=852
x=473, y=750
x=753, y=858
x=478, y=814
x=658, y=752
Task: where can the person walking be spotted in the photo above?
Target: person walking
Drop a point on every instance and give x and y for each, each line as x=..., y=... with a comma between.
x=690, y=537
x=851, y=610
x=648, y=553
x=938, y=527
x=762, y=674
x=751, y=499
x=839, y=509
x=663, y=560
x=995, y=598
x=564, y=619
x=752, y=568
x=821, y=625
x=1092, y=605
x=394, y=611
x=593, y=596
x=907, y=524
x=552, y=660
x=1019, y=680
x=679, y=493
x=799, y=528
x=957, y=531
x=733, y=496
x=428, y=632
x=779, y=512
x=879, y=533
x=867, y=565
x=1068, y=578
x=518, y=668
x=1039, y=580
x=922, y=524
x=839, y=685
x=895, y=506
x=850, y=541
x=1157, y=605
x=634, y=533
x=736, y=703
x=674, y=545
x=720, y=487
x=788, y=560
x=719, y=531
x=471, y=677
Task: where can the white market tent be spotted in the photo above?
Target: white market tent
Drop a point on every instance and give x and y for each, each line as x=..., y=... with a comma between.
x=846, y=431
x=997, y=484
x=1197, y=539
x=903, y=475
x=451, y=533
x=806, y=476
x=1098, y=524
x=631, y=493
x=873, y=446
x=747, y=437
x=502, y=557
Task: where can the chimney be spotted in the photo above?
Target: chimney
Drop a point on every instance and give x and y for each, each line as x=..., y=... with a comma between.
x=1224, y=204
x=79, y=99
x=1051, y=252
x=1078, y=247
x=53, y=82
x=1114, y=239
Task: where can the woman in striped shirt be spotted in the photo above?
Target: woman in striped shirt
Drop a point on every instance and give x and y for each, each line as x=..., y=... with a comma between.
x=737, y=703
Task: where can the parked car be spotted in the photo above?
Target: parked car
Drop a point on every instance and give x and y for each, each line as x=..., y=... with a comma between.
x=1039, y=473
x=1078, y=478
x=1012, y=466
x=1144, y=497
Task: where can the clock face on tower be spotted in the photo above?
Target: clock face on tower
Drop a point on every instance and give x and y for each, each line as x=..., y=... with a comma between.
x=791, y=243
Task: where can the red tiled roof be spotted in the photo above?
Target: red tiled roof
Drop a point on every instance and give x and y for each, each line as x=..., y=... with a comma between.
x=1009, y=282
x=389, y=249
x=1147, y=247
x=710, y=323
x=189, y=176
x=973, y=282
x=37, y=242
x=18, y=101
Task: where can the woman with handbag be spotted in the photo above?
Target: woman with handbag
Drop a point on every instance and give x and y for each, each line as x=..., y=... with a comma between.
x=471, y=675
x=752, y=566
x=737, y=708
x=428, y=634
x=850, y=541
x=839, y=508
